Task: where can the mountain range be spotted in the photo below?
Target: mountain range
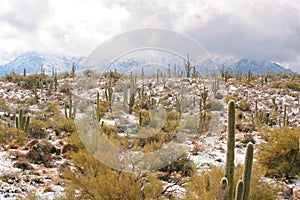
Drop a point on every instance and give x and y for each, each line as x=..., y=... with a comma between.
x=33, y=61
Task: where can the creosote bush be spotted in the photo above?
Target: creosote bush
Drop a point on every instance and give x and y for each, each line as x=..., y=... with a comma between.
x=37, y=129
x=206, y=185
x=97, y=181
x=281, y=154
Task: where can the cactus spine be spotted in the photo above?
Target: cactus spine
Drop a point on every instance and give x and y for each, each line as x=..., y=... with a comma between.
x=22, y=122
x=247, y=170
x=239, y=190
x=229, y=173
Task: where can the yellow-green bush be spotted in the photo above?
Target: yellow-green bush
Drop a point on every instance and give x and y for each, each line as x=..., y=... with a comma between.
x=11, y=134
x=281, y=154
x=244, y=105
x=37, y=129
x=64, y=124
x=206, y=186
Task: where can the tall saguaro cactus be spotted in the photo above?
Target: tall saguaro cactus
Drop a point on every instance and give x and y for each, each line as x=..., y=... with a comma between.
x=229, y=173
x=72, y=108
x=223, y=189
x=188, y=67
x=22, y=122
x=247, y=170
x=239, y=190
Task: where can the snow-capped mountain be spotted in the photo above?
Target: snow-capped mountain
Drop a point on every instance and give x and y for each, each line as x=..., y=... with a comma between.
x=258, y=67
x=33, y=61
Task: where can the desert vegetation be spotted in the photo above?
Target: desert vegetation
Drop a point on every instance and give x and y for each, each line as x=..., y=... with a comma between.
x=239, y=135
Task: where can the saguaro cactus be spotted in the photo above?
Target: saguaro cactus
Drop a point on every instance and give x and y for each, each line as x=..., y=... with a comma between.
x=284, y=116
x=223, y=189
x=239, y=190
x=72, y=108
x=247, y=171
x=98, y=115
x=188, y=67
x=229, y=173
x=22, y=122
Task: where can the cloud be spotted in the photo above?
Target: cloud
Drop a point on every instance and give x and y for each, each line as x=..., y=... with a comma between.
x=24, y=15
x=256, y=29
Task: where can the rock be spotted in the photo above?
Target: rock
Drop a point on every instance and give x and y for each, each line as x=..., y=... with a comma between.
x=40, y=154
x=245, y=128
x=24, y=165
x=55, y=150
x=30, y=144
x=69, y=147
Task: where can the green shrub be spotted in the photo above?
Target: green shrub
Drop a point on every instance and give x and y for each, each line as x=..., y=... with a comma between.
x=65, y=88
x=216, y=105
x=228, y=98
x=37, y=129
x=244, y=105
x=64, y=124
x=206, y=186
x=280, y=154
x=11, y=134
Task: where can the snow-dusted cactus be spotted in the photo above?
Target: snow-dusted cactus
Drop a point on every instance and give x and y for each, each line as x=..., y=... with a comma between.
x=247, y=171
x=239, y=190
x=229, y=173
x=223, y=191
x=188, y=67
x=72, y=108
x=22, y=122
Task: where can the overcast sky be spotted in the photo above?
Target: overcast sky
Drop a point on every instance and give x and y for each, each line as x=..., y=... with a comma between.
x=255, y=29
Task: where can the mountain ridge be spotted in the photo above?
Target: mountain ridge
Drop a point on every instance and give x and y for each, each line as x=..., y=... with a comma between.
x=33, y=61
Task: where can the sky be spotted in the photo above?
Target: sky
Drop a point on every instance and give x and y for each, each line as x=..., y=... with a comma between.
x=253, y=29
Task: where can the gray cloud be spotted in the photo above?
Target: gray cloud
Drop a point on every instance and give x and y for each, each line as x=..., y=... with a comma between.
x=25, y=15
x=256, y=29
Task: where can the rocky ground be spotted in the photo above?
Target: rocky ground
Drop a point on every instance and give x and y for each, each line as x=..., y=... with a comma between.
x=35, y=169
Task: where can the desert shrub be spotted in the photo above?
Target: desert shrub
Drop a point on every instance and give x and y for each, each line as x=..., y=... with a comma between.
x=228, y=98
x=61, y=124
x=64, y=75
x=244, y=105
x=216, y=105
x=206, y=185
x=11, y=134
x=88, y=73
x=276, y=84
x=65, y=88
x=183, y=165
x=291, y=85
x=171, y=126
x=280, y=154
x=114, y=75
x=98, y=181
x=86, y=84
x=37, y=129
x=3, y=106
